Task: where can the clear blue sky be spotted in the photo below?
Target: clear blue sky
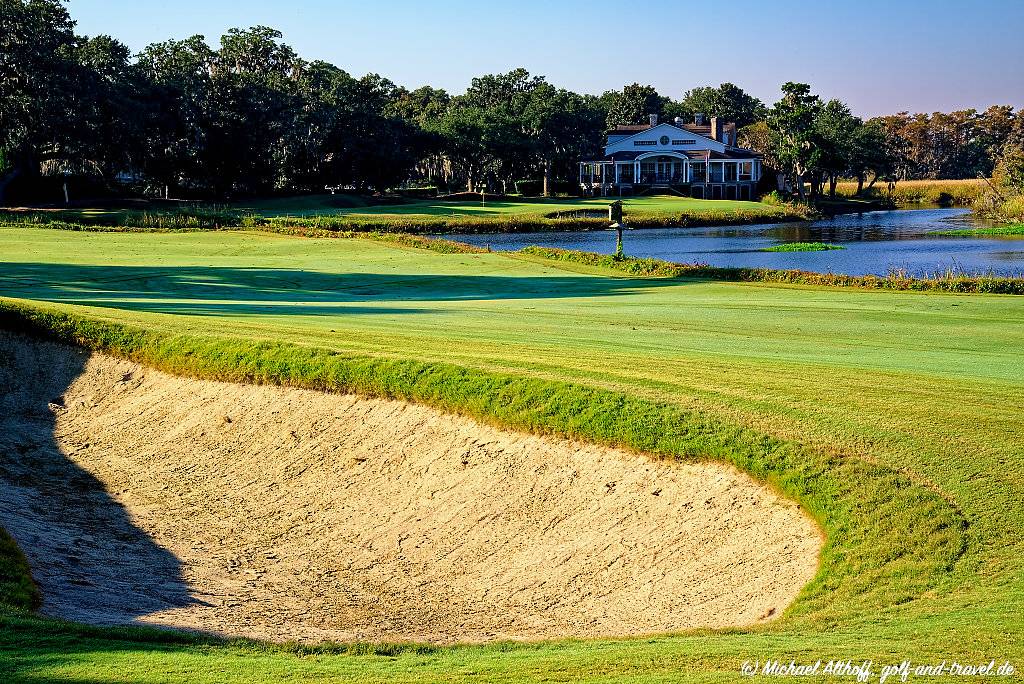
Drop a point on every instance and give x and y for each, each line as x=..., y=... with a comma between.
x=878, y=56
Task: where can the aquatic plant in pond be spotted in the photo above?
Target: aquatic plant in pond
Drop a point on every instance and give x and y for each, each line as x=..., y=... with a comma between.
x=802, y=247
x=1011, y=229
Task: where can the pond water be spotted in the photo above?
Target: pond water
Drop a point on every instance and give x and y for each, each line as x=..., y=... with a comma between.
x=875, y=242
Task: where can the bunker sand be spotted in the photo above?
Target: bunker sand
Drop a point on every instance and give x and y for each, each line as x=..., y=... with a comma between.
x=287, y=514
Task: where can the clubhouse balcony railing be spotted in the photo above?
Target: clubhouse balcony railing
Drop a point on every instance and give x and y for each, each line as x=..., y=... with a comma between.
x=665, y=179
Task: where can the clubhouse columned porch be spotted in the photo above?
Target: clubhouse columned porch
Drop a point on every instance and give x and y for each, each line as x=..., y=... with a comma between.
x=704, y=177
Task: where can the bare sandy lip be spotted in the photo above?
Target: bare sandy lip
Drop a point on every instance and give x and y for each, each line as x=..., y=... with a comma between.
x=285, y=514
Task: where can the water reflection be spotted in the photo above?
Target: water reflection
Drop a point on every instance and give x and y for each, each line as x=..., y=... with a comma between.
x=875, y=242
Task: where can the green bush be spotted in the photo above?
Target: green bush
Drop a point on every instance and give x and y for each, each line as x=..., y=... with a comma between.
x=17, y=590
x=998, y=207
x=1013, y=209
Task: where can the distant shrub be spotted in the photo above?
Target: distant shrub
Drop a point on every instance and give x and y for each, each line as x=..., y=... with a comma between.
x=1013, y=208
x=773, y=199
x=1006, y=206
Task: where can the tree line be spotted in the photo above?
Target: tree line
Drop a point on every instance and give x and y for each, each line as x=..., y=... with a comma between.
x=251, y=117
x=810, y=142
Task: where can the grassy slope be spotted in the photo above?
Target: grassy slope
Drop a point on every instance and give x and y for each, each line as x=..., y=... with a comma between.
x=928, y=385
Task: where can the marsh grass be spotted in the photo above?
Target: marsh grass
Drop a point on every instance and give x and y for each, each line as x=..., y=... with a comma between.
x=1003, y=209
x=959, y=193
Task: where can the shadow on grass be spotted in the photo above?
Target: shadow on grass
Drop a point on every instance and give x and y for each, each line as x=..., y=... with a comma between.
x=208, y=290
x=89, y=559
x=92, y=564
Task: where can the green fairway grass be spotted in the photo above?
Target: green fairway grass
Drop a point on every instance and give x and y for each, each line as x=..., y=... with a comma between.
x=350, y=212
x=321, y=205
x=893, y=417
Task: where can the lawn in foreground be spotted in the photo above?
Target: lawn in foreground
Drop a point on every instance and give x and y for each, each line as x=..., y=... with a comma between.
x=924, y=383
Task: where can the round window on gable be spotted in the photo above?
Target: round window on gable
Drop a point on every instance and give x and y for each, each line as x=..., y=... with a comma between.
x=664, y=140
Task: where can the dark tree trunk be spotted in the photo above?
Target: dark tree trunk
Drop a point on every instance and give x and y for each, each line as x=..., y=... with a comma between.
x=832, y=186
x=819, y=185
x=6, y=180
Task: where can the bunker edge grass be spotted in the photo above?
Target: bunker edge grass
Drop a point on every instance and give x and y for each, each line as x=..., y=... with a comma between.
x=889, y=539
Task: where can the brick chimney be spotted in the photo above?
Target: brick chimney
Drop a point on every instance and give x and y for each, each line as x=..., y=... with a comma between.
x=716, y=129
x=730, y=134
x=654, y=119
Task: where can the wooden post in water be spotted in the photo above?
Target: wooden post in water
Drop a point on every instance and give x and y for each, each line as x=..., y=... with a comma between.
x=615, y=217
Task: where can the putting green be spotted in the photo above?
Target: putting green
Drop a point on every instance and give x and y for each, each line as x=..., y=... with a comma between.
x=930, y=385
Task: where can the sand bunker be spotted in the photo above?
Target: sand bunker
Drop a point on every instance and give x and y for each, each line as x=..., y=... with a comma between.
x=289, y=514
